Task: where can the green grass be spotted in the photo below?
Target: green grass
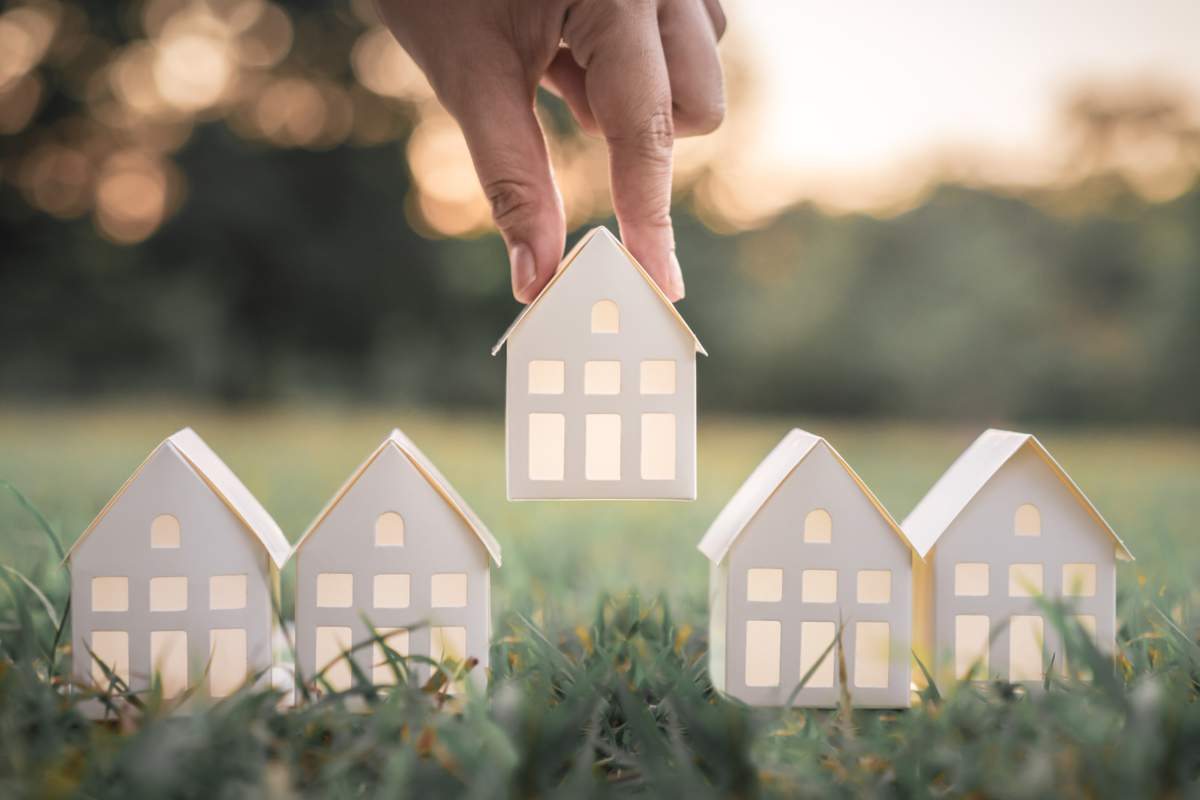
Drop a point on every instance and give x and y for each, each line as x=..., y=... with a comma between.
x=598, y=681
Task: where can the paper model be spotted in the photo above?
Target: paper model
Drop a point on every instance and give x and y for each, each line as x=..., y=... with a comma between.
x=1002, y=526
x=176, y=575
x=802, y=550
x=397, y=549
x=601, y=397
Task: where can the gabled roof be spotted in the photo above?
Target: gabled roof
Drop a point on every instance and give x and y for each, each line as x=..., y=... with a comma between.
x=970, y=473
x=762, y=484
x=224, y=484
x=431, y=474
x=596, y=237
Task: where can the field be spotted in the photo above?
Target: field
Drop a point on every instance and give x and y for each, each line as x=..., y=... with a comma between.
x=599, y=633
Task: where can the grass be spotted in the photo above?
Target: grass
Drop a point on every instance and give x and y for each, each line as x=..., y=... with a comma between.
x=598, y=683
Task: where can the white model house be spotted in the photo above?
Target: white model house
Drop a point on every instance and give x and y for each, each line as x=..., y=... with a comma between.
x=601, y=386
x=399, y=550
x=177, y=574
x=1002, y=526
x=802, y=550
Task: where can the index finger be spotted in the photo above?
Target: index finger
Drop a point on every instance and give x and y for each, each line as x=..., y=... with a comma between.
x=630, y=95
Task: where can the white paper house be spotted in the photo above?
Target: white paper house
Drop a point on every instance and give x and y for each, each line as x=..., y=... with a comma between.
x=176, y=575
x=1003, y=525
x=804, y=548
x=601, y=384
x=399, y=550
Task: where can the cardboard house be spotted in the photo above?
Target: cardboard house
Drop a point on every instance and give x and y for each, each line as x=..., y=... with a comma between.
x=802, y=551
x=601, y=384
x=1002, y=526
x=397, y=549
x=175, y=576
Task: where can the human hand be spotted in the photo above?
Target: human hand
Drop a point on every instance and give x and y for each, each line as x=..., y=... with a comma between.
x=637, y=72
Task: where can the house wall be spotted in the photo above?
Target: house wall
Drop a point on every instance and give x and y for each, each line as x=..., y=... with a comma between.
x=860, y=540
x=213, y=541
x=436, y=541
x=559, y=329
x=984, y=533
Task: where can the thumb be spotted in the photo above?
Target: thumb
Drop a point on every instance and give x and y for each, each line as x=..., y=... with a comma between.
x=509, y=152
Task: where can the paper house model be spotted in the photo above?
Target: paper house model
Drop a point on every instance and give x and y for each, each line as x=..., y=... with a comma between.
x=1003, y=525
x=177, y=575
x=803, y=550
x=397, y=549
x=601, y=386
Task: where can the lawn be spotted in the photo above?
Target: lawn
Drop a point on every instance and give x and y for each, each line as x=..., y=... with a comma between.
x=599, y=623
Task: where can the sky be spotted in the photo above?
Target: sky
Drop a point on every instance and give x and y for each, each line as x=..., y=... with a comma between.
x=851, y=95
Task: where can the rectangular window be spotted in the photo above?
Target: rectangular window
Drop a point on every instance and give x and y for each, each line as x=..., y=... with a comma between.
x=110, y=594
x=1025, y=648
x=331, y=643
x=602, y=377
x=449, y=590
x=228, y=664
x=971, y=580
x=546, y=377
x=658, y=377
x=603, y=443
x=872, y=654
x=111, y=648
x=874, y=586
x=448, y=643
x=169, y=594
x=818, y=586
x=762, y=652
x=1079, y=580
x=1088, y=623
x=396, y=640
x=971, y=634
x=764, y=585
x=226, y=592
x=658, y=447
x=1024, y=580
x=547, y=443
x=169, y=660
x=391, y=591
x=335, y=590
x=815, y=639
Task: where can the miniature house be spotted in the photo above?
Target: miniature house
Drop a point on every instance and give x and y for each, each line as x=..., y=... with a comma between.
x=177, y=577
x=601, y=386
x=398, y=550
x=802, y=551
x=1003, y=526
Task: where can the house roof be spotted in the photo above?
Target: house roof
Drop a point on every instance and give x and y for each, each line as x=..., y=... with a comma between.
x=431, y=474
x=970, y=473
x=221, y=480
x=595, y=237
x=762, y=484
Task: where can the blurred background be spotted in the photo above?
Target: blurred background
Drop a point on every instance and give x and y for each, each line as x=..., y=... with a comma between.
x=254, y=217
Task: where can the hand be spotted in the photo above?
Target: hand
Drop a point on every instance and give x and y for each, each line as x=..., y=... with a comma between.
x=638, y=72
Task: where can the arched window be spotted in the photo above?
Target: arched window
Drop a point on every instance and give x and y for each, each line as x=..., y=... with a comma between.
x=1028, y=521
x=164, y=532
x=606, y=317
x=818, y=526
x=389, y=530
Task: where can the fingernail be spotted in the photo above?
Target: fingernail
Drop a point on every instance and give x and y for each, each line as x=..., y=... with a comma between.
x=676, y=277
x=524, y=269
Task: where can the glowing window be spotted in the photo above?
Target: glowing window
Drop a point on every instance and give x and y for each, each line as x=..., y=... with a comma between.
x=872, y=654
x=815, y=639
x=547, y=444
x=818, y=586
x=332, y=643
x=110, y=594
x=1024, y=580
x=602, y=377
x=762, y=652
x=1027, y=521
x=764, y=585
x=971, y=580
x=1079, y=580
x=228, y=665
x=169, y=594
x=448, y=590
x=164, y=532
x=971, y=636
x=391, y=591
x=1025, y=648
x=335, y=590
x=818, y=526
x=546, y=377
x=602, y=444
x=396, y=640
x=169, y=660
x=226, y=592
x=112, y=649
x=606, y=317
x=389, y=530
x=874, y=586
x=658, y=377
x=658, y=447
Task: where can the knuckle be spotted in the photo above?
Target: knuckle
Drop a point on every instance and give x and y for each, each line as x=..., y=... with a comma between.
x=511, y=200
x=704, y=116
x=653, y=137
